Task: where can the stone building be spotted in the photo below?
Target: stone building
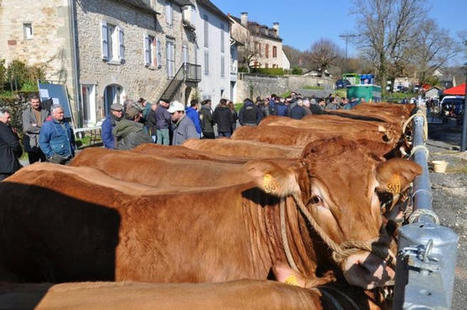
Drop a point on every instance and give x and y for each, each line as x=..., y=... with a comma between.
x=262, y=46
x=104, y=51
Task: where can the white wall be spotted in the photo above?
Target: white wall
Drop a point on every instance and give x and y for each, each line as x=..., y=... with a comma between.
x=211, y=84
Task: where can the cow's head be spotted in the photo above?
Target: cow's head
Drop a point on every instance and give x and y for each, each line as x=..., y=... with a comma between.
x=338, y=182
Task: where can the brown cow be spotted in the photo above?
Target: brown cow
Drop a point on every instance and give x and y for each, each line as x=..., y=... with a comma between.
x=246, y=149
x=72, y=224
x=244, y=294
x=178, y=151
x=160, y=171
x=299, y=137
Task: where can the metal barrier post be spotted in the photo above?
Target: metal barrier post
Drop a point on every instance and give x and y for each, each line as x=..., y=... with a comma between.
x=426, y=251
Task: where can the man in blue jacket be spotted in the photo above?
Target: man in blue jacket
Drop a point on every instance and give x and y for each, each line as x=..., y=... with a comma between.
x=192, y=113
x=56, y=138
x=116, y=113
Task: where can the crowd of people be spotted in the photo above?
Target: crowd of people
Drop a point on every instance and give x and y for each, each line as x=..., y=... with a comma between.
x=47, y=135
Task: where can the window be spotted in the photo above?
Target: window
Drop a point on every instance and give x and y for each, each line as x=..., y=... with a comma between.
x=222, y=66
x=88, y=97
x=206, y=31
x=113, y=45
x=274, y=51
x=150, y=57
x=222, y=38
x=169, y=13
x=27, y=31
x=170, y=52
x=206, y=62
x=266, y=50
x=260, y=52
x=158, y=53
x=266, y=66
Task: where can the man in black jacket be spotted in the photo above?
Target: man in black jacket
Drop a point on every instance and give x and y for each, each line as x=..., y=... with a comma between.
x=10, y=149
x=207, y=124
x=223, y=117
x=249, y=114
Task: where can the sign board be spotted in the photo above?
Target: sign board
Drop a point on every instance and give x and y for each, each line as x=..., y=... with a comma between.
x=58, y=95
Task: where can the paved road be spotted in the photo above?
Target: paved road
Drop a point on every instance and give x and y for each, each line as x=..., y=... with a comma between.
x=450, y=197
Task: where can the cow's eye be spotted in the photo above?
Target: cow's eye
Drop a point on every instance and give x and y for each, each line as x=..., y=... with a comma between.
x=316, y=199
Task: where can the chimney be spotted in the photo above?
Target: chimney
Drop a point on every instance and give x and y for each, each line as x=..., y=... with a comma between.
x=244, y=19
x=276, y=27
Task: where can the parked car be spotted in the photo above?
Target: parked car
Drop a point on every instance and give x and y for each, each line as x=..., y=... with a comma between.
x=402, y=89
x=452, y=107
x=342, y=83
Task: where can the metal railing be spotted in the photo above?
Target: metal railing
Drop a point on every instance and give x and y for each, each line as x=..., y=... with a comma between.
x=186, y=73
x=426, y=251
x=192, y=73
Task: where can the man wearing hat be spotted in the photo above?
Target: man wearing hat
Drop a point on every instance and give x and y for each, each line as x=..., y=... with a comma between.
x=184, y=128
x=116, y=113
x=129, y=132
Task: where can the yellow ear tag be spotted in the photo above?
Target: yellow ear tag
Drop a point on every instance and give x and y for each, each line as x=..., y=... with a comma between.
x=291, y=280
x=395, y=184
x=269, y=184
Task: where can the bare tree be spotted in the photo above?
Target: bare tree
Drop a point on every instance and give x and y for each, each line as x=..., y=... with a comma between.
x=295, y=56
x=434, y=49
x=387, y=29
x=323, y=54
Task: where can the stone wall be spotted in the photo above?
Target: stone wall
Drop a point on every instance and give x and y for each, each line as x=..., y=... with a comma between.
x=265, y=85
x=50, y=43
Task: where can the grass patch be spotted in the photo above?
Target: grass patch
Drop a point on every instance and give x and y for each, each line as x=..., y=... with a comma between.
x=313, y=87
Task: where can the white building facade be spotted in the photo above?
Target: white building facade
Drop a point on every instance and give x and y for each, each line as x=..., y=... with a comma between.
x=213, y=51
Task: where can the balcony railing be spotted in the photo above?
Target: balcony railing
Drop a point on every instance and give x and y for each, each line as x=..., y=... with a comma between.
x=192, y=73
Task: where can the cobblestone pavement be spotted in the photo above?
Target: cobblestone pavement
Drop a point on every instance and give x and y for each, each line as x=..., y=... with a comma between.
x=450, y=197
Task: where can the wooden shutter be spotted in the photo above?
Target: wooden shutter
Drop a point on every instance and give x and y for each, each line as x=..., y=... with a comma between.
x=121, y=42
x=105, y=41
x=159, y=53
x=155, y=61
x=147, y=51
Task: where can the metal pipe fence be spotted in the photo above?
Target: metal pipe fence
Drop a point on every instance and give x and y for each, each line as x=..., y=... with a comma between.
x=426, y=251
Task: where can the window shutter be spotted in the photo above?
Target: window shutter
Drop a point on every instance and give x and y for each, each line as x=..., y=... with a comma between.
x=121, y=42
x=158, y=53
x=105, y=41
x=147, y=51
x=155, y=62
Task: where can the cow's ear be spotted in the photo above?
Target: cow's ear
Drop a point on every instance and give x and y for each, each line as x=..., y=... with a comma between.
x=273, y=178
x=396, y=174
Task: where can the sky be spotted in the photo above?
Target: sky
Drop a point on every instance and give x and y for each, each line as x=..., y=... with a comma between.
x=305, y=21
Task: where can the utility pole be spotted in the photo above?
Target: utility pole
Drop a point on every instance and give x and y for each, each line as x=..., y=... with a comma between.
x=346, y=37
x=464, y=125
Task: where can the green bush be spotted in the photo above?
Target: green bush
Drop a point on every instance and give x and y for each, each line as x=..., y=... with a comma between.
x=242, y=69
x=3, y=71
x=19, y=76
x=297, y=71
x=268, y=71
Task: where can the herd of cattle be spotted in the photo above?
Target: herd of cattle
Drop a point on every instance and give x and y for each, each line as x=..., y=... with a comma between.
x=311, y=204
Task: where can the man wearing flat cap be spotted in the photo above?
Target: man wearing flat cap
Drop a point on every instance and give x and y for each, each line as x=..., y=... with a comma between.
x=184, y=128
x=116, y=113
x=129, y=132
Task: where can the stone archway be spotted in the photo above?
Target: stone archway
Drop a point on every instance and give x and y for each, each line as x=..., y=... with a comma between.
x=188, y=94
x=113, y=93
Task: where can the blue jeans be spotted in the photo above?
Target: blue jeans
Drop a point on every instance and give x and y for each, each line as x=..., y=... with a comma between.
x=163, y=136
x=227, y=134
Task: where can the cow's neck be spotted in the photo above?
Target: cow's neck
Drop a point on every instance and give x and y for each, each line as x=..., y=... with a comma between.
x=267, y=246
